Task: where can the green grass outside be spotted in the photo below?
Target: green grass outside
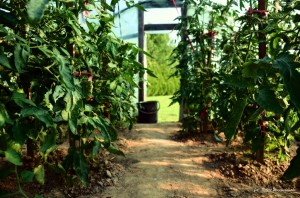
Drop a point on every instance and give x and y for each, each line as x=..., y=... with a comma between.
x=166, y=113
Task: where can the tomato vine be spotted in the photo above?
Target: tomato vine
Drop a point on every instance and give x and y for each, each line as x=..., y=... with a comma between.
x=62, y=78
x=236, y=89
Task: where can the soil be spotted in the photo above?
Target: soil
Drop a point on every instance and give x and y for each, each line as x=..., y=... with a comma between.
x=159, y=163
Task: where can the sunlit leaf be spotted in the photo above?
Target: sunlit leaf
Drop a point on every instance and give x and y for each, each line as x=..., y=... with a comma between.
x=4, y=117
x=13, y=157
x=58, y=93
x=39, y=174
x=65, y=71
x=74, y=106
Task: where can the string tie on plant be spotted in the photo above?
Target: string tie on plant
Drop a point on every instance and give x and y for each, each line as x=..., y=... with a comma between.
x=85, y=12
x=211, y=34
x=90, y=79
x=263, y=123
x=203, y=113
x=251, y=11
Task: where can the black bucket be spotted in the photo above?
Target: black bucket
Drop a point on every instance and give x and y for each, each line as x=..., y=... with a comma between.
x=148, y=111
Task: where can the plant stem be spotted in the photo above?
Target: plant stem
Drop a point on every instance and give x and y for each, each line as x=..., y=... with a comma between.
x=19, y=183
x=20, y=191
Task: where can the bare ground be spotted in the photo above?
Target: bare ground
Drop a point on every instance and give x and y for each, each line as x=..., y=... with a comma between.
x=161, y=164
x=158, y=166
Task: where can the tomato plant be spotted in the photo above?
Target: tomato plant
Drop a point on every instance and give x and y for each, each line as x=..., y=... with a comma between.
x=61, y=78
x=237, y=88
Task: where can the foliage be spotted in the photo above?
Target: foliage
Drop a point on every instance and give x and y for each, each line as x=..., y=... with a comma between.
x=236, y=89
x=158, y=45
x=56, y=73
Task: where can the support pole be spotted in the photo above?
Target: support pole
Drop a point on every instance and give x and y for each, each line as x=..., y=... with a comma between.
x=262, y=36
x=141, y=55
x=183, y=38
x=262, y=53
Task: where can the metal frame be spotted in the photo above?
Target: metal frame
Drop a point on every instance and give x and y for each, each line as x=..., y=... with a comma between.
x=142, y=27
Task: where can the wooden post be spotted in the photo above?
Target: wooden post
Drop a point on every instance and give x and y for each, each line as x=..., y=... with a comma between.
x=183, y=38
x=262, y=36
x=262, y=53
x=141, y=55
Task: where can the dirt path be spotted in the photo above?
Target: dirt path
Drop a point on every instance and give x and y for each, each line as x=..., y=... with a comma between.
x=159, y=167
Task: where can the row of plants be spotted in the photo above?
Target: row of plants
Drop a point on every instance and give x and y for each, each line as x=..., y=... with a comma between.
x=239, y=71
x=61, y=80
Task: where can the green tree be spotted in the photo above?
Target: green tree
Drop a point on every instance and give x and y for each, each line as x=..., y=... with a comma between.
x=158, y=45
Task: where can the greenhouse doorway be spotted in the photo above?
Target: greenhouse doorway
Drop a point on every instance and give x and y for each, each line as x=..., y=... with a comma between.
x=164, y=86
x=133, y=25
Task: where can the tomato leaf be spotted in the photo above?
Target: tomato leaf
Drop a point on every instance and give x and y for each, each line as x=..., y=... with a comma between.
x=4, y=61
x=13, y=157
x=235, y=118
x=19, y=62
x=4, y=117
x=267, y=99
x=39, y=113
x=21, y=99
x=39, y=174
x=100, y=124
x=58, y=93
x=27, y=176
x=293, y=170
x=81, y=167
x=35, y=9
x=114, y=150
x=250, y=70
x=49, y=143
x=291, y=77
x=19, y=132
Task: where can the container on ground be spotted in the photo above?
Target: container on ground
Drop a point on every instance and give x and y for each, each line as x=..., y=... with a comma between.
x=148, y=111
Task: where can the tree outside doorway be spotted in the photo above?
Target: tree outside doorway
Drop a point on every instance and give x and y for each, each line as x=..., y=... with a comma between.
x=162, y=88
